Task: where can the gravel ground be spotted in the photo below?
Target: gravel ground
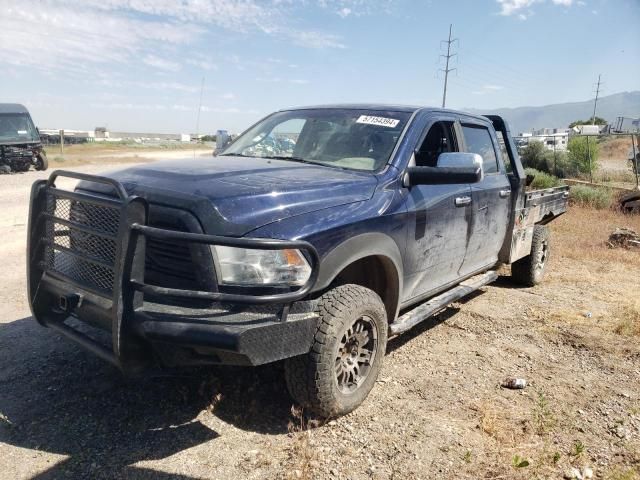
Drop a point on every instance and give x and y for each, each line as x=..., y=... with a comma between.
x=437, y=411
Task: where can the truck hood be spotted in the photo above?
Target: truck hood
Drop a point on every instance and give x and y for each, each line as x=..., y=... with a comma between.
x=234, y=195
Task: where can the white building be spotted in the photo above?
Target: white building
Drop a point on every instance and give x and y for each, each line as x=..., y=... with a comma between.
x=554, y=139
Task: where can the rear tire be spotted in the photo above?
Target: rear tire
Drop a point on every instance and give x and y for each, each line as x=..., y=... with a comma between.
x=338, y=373
x=529, y=271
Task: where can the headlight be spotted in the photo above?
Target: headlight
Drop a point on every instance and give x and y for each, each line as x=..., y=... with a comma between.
x=252, y=266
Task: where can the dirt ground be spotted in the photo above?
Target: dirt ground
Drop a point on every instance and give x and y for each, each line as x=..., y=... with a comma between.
x=116, y=153
x=437, y=411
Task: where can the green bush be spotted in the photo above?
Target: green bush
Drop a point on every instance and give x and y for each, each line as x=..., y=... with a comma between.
x=579, y=154
x=542, y=179
x=560, y=165
x=598, y=198
x=534, y=156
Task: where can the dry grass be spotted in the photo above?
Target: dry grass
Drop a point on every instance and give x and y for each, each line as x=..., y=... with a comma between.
x=113, y=153
x=615, y=148
x=101, y=148
x=67, y=161
x=628, y=322
x=584, y=233
x=303, y=454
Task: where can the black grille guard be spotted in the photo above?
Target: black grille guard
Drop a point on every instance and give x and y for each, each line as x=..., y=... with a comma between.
x=132, y=229
x=97, y=245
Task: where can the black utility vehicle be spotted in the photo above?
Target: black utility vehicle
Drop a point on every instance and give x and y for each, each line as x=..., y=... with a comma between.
x=20, y=145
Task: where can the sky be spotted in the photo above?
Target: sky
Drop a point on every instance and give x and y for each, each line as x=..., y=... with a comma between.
x=143, y=65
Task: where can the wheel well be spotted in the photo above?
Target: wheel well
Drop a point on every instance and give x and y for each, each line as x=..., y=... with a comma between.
x=377, y=273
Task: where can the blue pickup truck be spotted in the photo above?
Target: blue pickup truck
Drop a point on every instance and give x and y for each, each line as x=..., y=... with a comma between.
x=311, y=239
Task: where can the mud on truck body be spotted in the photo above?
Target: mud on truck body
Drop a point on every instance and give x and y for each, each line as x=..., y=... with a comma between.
x=20, y=145
x=314, y=237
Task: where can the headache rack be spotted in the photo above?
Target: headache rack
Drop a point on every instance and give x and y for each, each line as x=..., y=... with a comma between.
x=85, y=245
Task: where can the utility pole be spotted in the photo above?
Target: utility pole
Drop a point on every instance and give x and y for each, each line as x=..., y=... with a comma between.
x=199, y=109
x=593, y=122
x=446, y=70
x=595, y=102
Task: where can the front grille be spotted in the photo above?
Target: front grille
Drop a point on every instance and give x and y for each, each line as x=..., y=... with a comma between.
x=81, y=241
x=175, y=263
x=171, y=259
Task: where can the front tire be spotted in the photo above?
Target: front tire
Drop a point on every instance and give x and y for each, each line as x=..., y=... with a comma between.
x=42, y=163
x=338, y=373
x=529, y=270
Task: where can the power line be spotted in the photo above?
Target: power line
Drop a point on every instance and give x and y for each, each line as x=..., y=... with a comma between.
x=446, y=70
x=595, y=102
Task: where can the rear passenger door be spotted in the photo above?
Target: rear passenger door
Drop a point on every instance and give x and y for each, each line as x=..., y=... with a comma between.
x=491, y=199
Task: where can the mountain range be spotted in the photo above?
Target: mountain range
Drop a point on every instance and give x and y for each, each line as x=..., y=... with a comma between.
x=560, y=115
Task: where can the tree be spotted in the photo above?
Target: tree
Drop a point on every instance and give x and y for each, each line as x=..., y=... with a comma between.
x=579, y=151
x=596, y=121
x=533, y=156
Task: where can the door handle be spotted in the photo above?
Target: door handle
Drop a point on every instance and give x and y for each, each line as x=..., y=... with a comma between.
x=463, y=201
x=505, y=193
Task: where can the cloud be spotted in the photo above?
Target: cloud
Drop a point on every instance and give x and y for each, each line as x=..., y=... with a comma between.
x=67, y=37
x=201, y=63
x=523, y=8
x=228, y=96
x=510, y=7
x=144, y=85
x=74, y=36
x=293, y=81
x=314, y=39
x=485, y=89
x=357, y=8
x=161, y=63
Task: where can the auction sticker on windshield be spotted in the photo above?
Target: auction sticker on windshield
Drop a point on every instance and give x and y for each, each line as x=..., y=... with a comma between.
x=382, y=121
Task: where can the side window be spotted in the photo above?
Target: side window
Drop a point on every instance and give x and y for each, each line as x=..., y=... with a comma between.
x=439, y=139
x=505, y=155
x=478, y=140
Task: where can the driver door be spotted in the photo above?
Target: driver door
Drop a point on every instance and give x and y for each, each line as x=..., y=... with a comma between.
x=439, y=219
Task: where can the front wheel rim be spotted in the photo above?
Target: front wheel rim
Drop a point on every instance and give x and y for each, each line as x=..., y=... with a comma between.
x=356, y=354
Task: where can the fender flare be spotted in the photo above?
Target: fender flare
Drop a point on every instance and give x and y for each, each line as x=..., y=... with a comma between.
x=356, y=248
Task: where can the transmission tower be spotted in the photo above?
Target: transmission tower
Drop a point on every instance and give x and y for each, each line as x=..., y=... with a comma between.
x=446, y=69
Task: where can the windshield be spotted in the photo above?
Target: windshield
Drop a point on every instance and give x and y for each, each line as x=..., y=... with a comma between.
x=17, y=127
x=344, y=138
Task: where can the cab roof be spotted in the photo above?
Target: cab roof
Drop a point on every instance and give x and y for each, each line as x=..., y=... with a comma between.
x=387, y=107
x=13, y=108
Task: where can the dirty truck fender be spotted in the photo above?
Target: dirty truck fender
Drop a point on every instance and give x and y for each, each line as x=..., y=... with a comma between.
x=356, y=248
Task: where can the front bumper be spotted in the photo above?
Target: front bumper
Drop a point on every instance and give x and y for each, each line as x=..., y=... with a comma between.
x=86, y=260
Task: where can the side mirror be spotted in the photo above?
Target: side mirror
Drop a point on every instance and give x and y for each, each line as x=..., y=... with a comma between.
x=453, y=168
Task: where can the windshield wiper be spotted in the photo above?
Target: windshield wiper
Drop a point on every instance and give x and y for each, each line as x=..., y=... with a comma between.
x=294, y=159
x=276, y=157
